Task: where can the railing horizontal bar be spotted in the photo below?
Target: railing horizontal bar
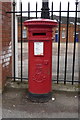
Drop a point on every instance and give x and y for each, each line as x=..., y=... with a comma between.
x=22, y=11
x=52, y=80
x=16, y=78
x=67, y=81
x=38, y=11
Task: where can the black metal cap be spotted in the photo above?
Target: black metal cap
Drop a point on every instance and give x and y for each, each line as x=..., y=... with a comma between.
x=45, y=10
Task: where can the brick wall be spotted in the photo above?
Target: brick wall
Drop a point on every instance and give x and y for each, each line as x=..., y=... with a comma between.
x=71, y=30
x=70, y=33
x=6, y=44
x=0, y=46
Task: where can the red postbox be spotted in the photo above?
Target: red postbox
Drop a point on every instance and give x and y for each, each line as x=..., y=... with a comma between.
x=40, y=58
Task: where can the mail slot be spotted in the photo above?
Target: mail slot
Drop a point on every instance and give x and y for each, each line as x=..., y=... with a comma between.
x=40, y=59
x=39, y=34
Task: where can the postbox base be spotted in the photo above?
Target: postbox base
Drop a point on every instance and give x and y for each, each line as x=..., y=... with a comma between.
x=39, y=97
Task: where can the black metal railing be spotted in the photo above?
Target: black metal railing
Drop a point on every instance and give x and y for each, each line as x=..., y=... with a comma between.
x=59, y=41
x=59, y=44
x=66, y=44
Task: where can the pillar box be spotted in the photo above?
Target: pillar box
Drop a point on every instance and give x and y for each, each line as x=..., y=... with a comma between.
x=40, y=59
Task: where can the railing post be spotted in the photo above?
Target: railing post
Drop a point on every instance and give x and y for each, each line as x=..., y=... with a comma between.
x=58, y=61
x=45, y=9
x=21, y=47
x=14, y=4
x=74, y=49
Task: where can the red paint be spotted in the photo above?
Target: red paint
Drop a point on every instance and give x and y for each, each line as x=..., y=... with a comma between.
x=40, y=66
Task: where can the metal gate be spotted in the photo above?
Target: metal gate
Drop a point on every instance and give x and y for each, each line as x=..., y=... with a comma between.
x=46, y=13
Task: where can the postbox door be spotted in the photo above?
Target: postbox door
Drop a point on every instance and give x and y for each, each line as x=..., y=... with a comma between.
x=40, y=63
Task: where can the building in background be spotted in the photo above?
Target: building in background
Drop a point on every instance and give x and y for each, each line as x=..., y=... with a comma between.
x=71, y=30
x=55, y=31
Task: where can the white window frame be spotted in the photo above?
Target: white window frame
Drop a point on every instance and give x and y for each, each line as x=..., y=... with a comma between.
x=24, y=33
x=63, y=34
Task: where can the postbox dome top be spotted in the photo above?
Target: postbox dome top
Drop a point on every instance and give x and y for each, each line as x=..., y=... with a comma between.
x=40, y=22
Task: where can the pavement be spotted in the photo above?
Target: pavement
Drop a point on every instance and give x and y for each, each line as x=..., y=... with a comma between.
x=15, y=104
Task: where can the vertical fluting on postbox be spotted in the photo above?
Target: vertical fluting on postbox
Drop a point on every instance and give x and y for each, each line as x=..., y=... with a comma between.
x=40, y=59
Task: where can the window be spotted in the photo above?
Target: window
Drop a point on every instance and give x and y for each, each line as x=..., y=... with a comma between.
x=24, y=33
x=77, y=33
x=63, y=34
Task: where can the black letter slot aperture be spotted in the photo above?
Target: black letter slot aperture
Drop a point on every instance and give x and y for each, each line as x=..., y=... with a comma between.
x=36, y=34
